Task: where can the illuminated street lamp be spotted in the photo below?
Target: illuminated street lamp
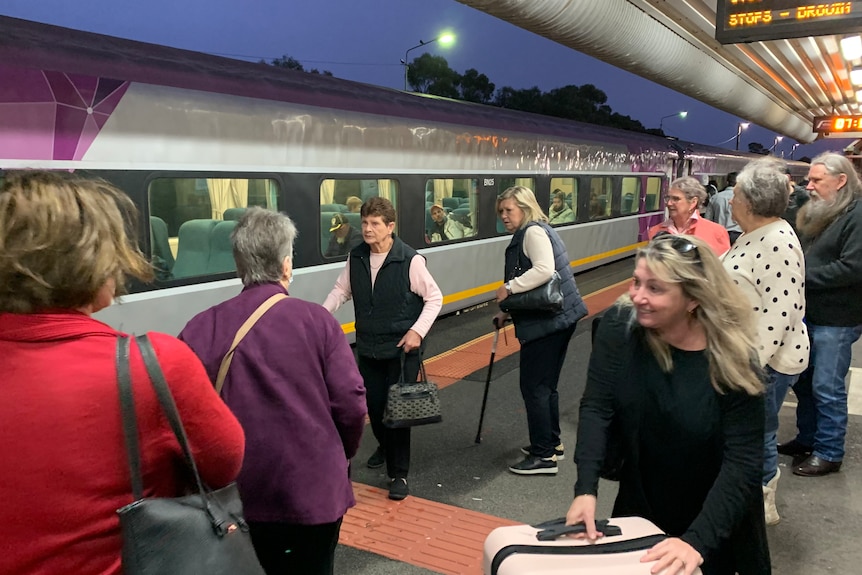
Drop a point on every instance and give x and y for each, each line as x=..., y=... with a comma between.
x=793, y=150
x=682, y=114
x=739, y=128
x=444, y=39
x=777, y=139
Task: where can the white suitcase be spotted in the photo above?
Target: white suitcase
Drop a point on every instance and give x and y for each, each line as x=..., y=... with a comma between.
x=516, y=550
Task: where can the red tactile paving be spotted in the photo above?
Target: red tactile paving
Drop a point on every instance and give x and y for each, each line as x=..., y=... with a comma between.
x=435, y=536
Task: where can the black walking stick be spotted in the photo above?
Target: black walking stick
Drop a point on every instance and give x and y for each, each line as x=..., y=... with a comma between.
x=488, y=382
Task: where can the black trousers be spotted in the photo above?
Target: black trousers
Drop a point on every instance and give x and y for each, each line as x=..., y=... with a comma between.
x=541, y=363
x=287, y=549
x=378, y=375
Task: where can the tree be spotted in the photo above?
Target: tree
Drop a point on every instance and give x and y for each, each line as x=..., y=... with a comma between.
x=293, y=64
x=432, y=75
x=475, y=87
x=757, y=148
x=526, y=100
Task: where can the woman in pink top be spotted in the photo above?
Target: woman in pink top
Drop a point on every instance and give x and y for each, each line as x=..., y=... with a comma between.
x=683, y=201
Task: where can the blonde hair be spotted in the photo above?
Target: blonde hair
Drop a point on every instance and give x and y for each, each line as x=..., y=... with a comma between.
x=723, y=311
x=61, y=239
x=526, y=200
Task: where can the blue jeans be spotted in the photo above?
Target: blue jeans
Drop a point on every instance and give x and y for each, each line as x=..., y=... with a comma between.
x=821, y=413
x=777, y=385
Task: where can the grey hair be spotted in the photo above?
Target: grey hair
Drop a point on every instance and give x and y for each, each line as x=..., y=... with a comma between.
x=765, y=185
x=812, y=219
x=691, y=188
x=835, y=165
x=261, y=240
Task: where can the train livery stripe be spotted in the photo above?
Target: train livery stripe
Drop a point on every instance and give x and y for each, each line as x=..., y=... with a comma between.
x=492, y=287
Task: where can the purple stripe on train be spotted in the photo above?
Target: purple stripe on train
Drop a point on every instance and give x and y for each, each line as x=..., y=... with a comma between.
x=52, y=115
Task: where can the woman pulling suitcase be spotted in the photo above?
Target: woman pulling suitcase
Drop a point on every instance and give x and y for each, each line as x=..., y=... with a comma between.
x=687, y=401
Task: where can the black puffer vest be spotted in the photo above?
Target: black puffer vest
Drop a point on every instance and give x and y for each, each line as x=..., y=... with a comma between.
x=384, y=314
x=531, y=325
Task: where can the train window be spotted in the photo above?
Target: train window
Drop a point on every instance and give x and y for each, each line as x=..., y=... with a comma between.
x=653, y=192
x=191, y=220
x=631, y=193
x=505, y=184
x=450, y=209
x=564, y=201
x=340, y=203
x=601, y=188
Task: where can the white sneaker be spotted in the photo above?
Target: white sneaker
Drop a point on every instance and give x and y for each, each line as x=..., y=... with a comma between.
x=770, y=511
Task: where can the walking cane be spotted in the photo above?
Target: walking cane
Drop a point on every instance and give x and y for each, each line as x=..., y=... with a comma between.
x=488, y=382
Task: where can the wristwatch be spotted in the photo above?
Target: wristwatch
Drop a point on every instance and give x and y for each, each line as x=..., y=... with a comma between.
x=508, y=288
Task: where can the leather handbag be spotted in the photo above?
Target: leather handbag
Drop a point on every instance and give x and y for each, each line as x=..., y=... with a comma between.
x=202, y=533
x=409, y=404
x=546, y=297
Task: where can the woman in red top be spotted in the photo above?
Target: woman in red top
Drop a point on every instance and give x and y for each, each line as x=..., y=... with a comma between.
x=65, y=254
x=684, y=200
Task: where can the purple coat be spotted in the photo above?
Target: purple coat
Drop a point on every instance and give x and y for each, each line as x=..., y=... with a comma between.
x=295, y=388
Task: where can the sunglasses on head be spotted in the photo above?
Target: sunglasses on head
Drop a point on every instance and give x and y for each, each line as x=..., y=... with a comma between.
x=679, y=244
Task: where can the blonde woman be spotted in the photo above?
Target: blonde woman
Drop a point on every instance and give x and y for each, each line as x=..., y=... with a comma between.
x=534, y=253
x=674, y=365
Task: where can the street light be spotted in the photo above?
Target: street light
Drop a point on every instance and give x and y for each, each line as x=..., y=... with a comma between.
x=739, y=128
x=445, y=39
x=682, y=114
x=777, y=139
x=793, y=150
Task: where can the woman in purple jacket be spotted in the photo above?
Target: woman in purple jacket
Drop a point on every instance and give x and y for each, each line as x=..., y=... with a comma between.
x=293, y=383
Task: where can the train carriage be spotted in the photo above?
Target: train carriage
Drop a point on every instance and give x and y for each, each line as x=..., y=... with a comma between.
x=195, y=139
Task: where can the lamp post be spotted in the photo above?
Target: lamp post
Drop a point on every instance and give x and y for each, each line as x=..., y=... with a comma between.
x=739, y=128
x=777, y=139
x=793, y=150
x=682, y=114
x=444, y=39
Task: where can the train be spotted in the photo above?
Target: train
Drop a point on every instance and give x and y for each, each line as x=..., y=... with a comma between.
x=196, y=139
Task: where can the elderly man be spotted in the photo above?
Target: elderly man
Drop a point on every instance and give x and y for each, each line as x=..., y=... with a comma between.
x=830, y=225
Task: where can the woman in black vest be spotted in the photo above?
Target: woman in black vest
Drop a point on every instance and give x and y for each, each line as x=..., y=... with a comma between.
x=534, y=253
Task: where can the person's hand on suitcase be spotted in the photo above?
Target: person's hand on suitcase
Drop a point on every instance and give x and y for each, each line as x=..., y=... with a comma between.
x=583, y=509
x=673, y=556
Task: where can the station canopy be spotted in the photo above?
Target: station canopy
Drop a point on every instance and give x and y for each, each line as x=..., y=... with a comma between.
x=780, y=84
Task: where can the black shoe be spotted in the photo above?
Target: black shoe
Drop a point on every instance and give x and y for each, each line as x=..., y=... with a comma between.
x=558, y=451
x=794, y=448
x=815, y=467
x=377, y=459
x=398, y=489
x=532, y=465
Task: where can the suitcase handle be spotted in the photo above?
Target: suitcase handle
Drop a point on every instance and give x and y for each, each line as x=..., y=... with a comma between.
x=555, y=528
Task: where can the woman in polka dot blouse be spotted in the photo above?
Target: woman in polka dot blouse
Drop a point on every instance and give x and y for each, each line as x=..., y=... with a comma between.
x=768, y=264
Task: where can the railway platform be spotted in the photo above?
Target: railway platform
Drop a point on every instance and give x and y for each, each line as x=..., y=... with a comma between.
x=461, y=490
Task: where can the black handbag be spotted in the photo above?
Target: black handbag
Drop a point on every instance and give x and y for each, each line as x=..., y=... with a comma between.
x=409, y=404
x=546, y=297
x=203, y=533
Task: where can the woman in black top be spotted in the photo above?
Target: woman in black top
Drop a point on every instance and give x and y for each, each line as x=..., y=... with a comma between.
x=674, y=367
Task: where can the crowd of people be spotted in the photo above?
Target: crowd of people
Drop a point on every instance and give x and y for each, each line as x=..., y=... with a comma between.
x=686, y=378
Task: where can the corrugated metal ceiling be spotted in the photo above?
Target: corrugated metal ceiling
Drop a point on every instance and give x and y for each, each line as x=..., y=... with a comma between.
x=781, y=84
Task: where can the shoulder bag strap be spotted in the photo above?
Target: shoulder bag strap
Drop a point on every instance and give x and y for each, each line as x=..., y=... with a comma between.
x=163, y=393
x=127, y=410
x=241, y=333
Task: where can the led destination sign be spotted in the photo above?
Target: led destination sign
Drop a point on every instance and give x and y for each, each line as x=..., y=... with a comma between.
x=738, y=21
x=837, y=124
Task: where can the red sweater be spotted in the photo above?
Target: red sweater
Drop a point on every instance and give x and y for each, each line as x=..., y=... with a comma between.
x=63, y=464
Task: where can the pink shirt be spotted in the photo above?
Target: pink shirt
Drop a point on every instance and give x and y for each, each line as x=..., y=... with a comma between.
x=712, y=233
x=421, y=283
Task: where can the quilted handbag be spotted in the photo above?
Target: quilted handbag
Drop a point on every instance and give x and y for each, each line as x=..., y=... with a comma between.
x=409, y=404
x=202, y=533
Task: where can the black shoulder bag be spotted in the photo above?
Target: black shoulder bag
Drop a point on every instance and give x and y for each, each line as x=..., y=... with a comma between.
x=198, y=534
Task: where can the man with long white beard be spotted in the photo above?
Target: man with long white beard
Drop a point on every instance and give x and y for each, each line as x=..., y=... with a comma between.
x=830, y=227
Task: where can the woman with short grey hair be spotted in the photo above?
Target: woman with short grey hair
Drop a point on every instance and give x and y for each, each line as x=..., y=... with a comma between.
x=292, y=383
x=262, y=242
x=768, y=264
x=684, y=200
